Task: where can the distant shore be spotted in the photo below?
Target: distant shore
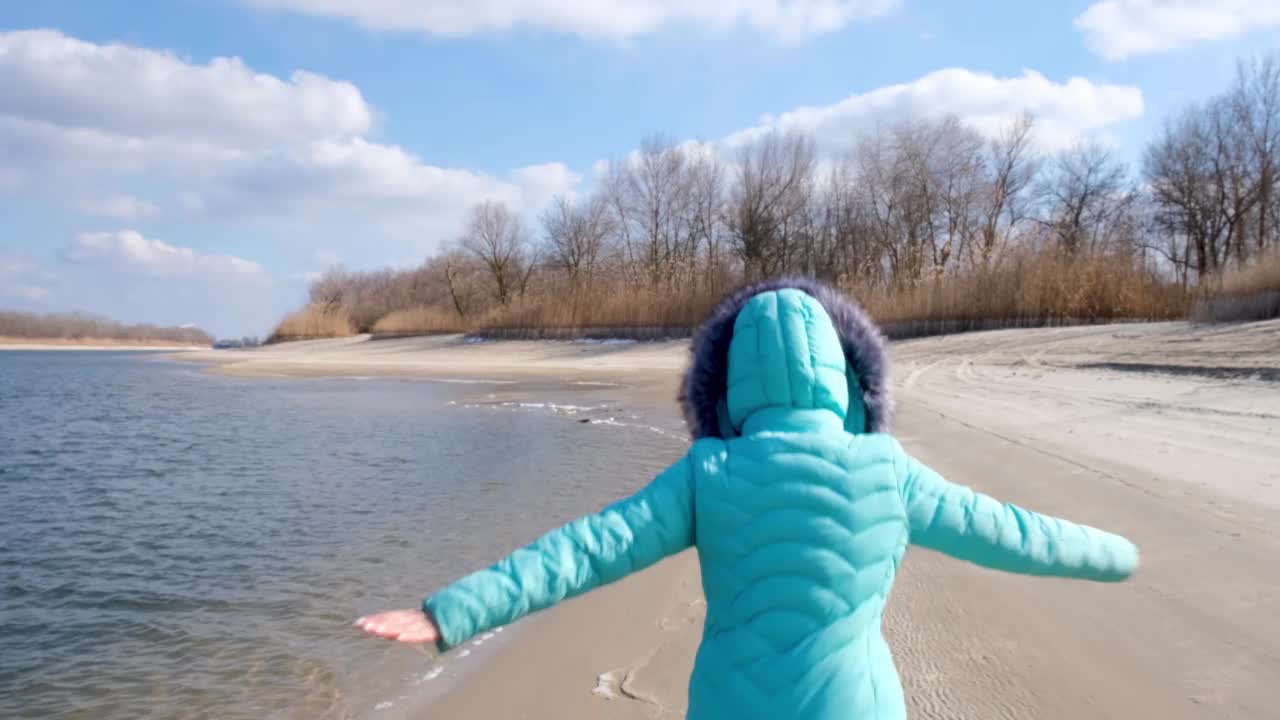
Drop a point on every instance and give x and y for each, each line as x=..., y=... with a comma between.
x=11, y=343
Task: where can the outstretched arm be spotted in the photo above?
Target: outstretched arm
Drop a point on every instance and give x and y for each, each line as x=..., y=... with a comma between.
x=595, y=550
x=971, y=526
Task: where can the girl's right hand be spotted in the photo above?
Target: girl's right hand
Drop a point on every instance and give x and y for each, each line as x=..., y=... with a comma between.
x=407, y=626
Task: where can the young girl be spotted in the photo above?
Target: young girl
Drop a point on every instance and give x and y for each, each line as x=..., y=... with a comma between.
x=801, y=507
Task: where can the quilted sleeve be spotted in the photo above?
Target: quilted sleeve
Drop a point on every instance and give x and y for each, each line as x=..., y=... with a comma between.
x=971, y=526
x=591, y=551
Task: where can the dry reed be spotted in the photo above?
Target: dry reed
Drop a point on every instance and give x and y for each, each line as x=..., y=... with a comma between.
x=421, y=320
x=1244, y=294
x=1025, y=289
x=314, y=321
x=603, y=312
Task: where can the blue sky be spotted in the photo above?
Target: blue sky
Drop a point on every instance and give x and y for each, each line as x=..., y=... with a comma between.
x=197, y=160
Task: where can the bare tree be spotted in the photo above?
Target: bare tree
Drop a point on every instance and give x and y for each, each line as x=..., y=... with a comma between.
x=1255, y=106
x=1011, y=168
x=768, y=201
x=946, y=166
x=650, y=197
x=1087, y=189
x=881, y=185
x=496, y=237
x=705, y=220
x=83, y=326
x=330, y=289
x=920, y=194
x=576, y=235
x=1201, y=184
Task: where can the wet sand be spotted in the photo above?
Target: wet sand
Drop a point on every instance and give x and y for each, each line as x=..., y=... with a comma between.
x=1167, y=433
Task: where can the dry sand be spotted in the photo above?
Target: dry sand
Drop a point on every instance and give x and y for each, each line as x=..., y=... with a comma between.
x=1166, y=433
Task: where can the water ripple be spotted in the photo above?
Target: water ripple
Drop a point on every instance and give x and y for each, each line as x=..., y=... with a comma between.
x=181, y=545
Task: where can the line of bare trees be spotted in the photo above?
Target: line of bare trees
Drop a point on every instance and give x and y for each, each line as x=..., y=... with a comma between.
x=911, y=202
x=78, y=326
x=1212, y=175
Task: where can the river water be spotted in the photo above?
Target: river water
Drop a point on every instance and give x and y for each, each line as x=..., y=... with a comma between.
x=175, y=543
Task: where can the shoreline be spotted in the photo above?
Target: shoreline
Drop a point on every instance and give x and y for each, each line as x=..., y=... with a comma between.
x=456, y=358
x=1220, y=351
x=1077, y=422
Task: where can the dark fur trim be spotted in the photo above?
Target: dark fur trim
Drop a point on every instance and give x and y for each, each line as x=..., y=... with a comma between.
x=706, y=380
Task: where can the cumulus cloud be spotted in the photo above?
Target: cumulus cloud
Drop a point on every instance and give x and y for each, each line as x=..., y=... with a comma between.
x=540, y=183
x=1118, y=29
x=227, y=140
x=1065, y=112
x=138, y=92
x=129, y=250
x=787, y=20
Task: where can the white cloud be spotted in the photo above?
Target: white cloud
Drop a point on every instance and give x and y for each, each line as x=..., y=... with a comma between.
x=1118, y=29
x=384, y=188
x=225, y=141
x=540, y=183
x=136, y=92
x=786, y=20
x=23, y=279
x=130, y=251
x=1065, y=112
x=118, y=207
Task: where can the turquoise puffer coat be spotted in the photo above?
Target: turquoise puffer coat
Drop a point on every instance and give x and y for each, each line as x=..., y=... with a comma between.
x=800, y=507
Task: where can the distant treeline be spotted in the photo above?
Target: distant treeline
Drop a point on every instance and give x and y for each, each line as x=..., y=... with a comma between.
x=930, y=223
x=82, y=327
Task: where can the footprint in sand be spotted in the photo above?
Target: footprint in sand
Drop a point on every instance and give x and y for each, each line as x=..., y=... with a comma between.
x=607, y=685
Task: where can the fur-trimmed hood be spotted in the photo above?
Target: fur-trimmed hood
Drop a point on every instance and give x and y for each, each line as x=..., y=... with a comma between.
x=703, y=392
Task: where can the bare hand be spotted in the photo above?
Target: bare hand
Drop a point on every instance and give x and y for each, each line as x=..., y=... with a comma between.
x=407, y=626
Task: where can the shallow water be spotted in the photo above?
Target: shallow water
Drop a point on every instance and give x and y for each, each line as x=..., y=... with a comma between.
x=180, y=544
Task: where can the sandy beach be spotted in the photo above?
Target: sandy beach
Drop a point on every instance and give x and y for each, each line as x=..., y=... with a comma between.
x=1167, y=433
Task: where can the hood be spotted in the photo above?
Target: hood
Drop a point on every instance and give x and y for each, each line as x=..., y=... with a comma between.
x=792, y=342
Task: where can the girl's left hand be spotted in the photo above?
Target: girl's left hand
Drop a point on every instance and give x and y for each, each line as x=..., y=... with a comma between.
x=407, y=626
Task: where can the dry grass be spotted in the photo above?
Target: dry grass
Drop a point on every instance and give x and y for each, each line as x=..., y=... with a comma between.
x=422, y=320
x=1028, y=291
x=1251, y=293
x=1258, y=277
x=314, y=321
x=603, y=313
x=1024, y=290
